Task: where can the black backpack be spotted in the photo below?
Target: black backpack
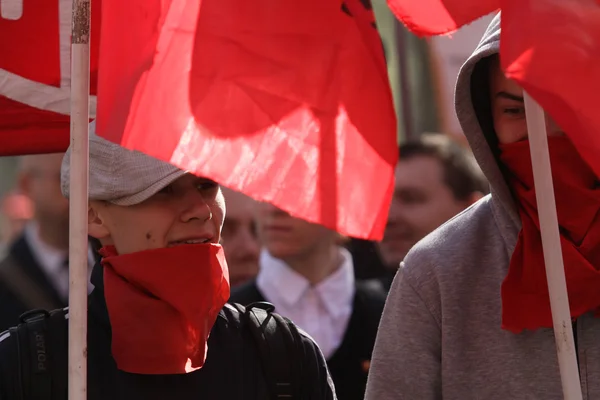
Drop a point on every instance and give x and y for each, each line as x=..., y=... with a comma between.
x=41, y=336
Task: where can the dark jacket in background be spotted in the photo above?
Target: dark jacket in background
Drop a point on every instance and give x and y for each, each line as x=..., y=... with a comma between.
x=368, y=264
x=366, y=259
x=43, y=294
x=349, y=365
x=13, y=304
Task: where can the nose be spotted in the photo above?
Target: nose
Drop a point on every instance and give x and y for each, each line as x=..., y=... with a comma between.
x=269, y=208
x=194, y=206
x=248, y=243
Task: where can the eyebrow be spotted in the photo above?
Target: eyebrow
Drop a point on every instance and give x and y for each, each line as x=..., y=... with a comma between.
x=509, y=96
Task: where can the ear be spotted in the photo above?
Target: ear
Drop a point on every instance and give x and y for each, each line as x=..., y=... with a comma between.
x=96, y=224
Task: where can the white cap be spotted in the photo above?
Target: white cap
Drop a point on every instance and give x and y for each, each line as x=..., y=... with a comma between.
x=120, y=176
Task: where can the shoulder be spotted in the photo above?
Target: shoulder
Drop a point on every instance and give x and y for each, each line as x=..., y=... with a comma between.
x=470, y=223
x=371, y=289
x=236, y=317
x=465, y=257
x=287, y=345
x=370, y=296
x=453, y=244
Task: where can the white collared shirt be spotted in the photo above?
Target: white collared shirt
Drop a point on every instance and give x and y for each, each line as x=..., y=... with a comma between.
x=52, y=261
x=323, y=310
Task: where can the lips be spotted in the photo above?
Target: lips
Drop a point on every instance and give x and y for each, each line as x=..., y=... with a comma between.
x=190, y=241
x=278, y=228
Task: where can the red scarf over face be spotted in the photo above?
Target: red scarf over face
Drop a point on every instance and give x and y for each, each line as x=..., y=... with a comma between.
x=162, y=304
x=525, y=298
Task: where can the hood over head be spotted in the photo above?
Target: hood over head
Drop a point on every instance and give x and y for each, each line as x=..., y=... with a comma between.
x=473, y=108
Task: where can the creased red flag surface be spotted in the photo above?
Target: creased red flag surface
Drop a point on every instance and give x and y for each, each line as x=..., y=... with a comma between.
x=550, y=47
x=287, y=102
x=437, y=17
x=35, y=46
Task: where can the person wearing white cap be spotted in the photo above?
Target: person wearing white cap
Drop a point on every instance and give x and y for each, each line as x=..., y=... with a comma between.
x=158, y=326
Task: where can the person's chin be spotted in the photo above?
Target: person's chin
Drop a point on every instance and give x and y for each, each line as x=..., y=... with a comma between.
x=281, y=251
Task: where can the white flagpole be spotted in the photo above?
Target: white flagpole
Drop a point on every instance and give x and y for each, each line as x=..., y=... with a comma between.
x=78, y=199
x=553, y=259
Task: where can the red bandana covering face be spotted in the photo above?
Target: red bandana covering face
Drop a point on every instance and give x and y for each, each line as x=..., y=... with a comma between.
x=525, y=298
x=162, y=304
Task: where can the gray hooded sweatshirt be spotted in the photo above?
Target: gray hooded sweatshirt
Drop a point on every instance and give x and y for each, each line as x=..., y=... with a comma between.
x=440, y=336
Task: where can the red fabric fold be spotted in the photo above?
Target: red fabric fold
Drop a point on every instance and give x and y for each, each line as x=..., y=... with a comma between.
x=162, y=304
x=287, y=102
x=436, y=17
x=34, y=80
x=552, y=49
x=525, y=298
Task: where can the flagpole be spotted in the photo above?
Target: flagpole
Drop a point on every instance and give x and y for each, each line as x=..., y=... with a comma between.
x=78, y=199
x=553, y=259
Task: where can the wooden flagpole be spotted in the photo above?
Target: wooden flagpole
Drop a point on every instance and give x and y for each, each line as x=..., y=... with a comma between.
x=553, y=259
x=78, y=199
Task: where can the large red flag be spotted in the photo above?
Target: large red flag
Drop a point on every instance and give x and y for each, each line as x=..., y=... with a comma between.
x=287, y=102
x=437, y=17
x=550, y=47
x=35, y=62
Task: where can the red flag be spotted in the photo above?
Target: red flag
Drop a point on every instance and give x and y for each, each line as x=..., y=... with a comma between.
x=35, y=46
x=436, y=17
x=287, y=102
x=552, y=49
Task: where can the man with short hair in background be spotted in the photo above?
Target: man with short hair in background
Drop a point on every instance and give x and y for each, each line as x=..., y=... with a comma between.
x=34, y=271
x=435, y=179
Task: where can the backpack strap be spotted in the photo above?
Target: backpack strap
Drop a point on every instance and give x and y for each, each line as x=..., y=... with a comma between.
x=35, y=339
x=279, y=346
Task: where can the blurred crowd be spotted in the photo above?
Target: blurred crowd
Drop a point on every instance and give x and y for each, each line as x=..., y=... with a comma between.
x=460, y=299
x=333, y=287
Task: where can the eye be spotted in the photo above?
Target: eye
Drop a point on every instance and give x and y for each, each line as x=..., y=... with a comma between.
x=410, y=195
x=166, y=190
x=514, y=111
x=207, y=185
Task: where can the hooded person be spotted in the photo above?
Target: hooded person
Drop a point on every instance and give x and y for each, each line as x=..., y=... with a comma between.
x=158, y=327
x=468, y=315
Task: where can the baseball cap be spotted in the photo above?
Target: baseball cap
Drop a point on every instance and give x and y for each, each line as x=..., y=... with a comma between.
x=118, y=175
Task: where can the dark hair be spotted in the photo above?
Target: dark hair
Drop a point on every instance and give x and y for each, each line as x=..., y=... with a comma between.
x=461, y=172
x=480, y=94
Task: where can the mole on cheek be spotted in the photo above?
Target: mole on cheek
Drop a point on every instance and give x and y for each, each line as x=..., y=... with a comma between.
x=149, y=235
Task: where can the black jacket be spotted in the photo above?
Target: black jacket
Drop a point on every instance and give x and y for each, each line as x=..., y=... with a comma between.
x=232, y=369
x=13, y=301
x=13, y=305
x=349, y=365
